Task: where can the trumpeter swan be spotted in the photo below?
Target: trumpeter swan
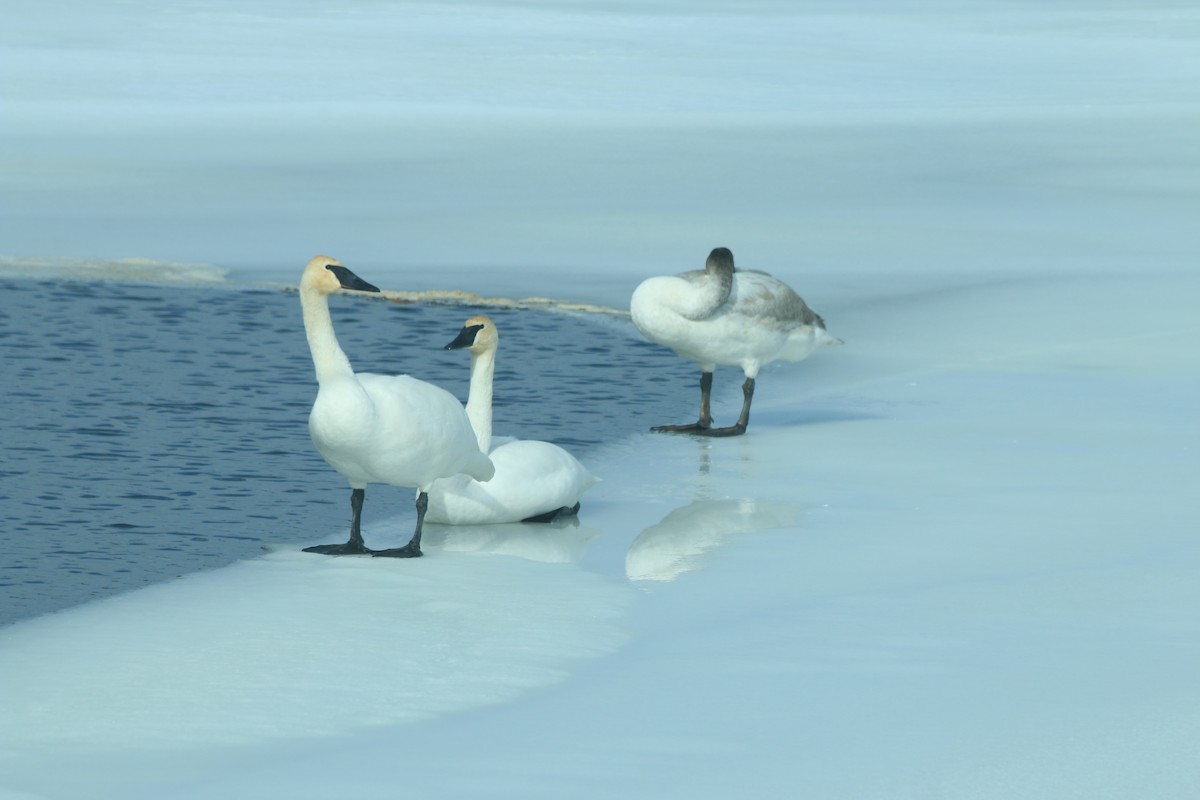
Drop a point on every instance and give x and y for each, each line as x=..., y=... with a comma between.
x=378, y=428
x=534, y=482
x=724, y=315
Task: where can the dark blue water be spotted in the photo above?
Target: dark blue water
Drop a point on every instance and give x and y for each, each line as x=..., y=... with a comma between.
x=147, y=432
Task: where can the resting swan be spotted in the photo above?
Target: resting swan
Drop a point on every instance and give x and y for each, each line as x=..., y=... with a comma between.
x=378, y=428
x=724, y=315
x=534, y=481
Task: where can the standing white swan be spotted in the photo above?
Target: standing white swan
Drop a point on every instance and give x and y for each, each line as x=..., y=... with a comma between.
x=378, y=428
x=534, y=481
x=724, y=315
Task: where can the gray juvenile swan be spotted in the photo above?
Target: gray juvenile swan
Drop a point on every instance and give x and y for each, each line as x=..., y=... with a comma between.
x=378, y=428
x=725, y=315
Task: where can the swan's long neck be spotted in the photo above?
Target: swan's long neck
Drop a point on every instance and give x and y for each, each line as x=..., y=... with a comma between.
x=707, y=295
x=479, y=398
x=328, y=359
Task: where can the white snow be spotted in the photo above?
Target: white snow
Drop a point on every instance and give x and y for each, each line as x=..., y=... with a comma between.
x=955, y=558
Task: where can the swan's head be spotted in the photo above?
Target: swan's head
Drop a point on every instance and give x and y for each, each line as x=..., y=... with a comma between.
x=327, y=275
x=720, y=260
x=477, y=336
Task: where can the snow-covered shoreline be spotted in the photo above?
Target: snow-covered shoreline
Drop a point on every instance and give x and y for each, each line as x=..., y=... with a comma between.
x=968, y=572
x=954, y=558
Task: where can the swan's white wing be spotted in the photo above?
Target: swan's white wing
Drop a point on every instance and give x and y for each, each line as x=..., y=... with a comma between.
x=532, y=478
x=421, y=433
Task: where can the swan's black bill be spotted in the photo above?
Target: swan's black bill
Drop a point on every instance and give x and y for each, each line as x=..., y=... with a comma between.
x=349, y=280
x=465, y=338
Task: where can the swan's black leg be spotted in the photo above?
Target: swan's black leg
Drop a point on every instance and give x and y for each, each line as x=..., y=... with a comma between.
x=355, y=546
x=551, y=516
x=739, y=427
x=413, y=548
x=705, y=421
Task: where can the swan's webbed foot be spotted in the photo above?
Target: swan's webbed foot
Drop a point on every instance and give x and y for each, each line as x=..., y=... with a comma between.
x=413, y=548
x=695, y=427
x=551, y=516
x=410, y=550
x=703, y=426
x=732, y=430
x=354, y=546
x=350, y=548
x=704, y=422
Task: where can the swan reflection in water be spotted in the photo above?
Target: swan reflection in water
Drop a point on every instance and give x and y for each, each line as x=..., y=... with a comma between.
x=560, y=542
x=673, y=546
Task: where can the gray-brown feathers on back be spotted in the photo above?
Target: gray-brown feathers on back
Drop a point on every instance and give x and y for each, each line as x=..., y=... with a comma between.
x=777, y=302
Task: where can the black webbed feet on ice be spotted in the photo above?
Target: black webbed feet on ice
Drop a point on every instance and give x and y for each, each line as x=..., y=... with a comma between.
x=350, y=548
x=556, y=514
x=703, y=426
x=732, y=430
x=695, y=427
x=354, y=546
x=410, y=550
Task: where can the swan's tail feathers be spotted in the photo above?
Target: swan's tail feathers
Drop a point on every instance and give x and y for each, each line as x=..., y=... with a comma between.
x=823, y=338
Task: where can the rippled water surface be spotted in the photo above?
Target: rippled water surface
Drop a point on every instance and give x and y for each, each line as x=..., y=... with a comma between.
x=153, y=431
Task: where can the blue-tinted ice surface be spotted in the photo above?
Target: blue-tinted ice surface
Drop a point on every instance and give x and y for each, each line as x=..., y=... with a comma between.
x=153, y=431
